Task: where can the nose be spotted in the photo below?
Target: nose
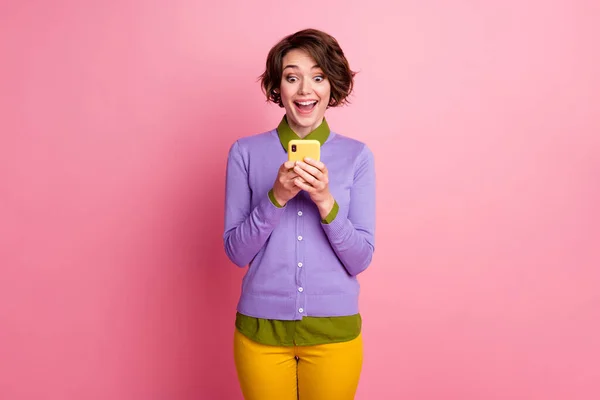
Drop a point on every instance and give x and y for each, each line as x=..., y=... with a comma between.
x=305, y=87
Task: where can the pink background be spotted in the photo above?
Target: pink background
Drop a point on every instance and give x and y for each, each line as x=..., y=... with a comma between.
x=115, y=121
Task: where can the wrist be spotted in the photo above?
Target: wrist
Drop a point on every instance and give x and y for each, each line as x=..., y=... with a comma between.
x=325, y=206
x=278, y=199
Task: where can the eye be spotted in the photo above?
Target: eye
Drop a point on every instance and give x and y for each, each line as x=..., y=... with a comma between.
x=291, y=79
x=319, y=78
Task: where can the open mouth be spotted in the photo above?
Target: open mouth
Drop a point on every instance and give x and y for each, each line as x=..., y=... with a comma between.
x=305, y=107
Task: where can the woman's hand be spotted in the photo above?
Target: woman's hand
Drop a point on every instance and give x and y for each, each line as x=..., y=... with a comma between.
x=284, y=188
x=313, y=177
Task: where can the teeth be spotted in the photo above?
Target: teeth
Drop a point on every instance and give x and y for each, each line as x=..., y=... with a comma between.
x=306, y=103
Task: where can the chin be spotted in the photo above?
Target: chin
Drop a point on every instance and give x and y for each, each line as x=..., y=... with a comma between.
x=305, y=120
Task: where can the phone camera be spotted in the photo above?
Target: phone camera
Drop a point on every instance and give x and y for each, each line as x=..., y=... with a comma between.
x=293, y=147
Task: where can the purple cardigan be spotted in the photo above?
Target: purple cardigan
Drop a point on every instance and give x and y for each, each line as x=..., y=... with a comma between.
x=298, y=265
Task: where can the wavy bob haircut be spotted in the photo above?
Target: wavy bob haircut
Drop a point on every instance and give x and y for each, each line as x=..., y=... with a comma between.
x=329, y=56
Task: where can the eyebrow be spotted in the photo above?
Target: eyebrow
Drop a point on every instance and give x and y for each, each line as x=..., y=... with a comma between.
x=296, y=67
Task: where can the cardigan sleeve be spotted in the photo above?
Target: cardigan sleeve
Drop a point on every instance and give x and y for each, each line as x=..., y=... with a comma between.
x=246, y=229
x=352, y=232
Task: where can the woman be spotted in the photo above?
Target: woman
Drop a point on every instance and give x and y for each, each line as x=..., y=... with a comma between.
x=306, y=230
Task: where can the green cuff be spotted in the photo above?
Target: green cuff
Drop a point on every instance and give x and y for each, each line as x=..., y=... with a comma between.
x=332, y=214
x=272, y=198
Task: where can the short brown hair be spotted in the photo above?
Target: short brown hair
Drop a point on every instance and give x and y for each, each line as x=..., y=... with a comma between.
x=329, y=56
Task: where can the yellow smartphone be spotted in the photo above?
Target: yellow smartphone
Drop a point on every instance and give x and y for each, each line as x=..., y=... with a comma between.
x=298, y=149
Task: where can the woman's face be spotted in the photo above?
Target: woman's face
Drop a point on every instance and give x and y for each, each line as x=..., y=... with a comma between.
x=304, y=90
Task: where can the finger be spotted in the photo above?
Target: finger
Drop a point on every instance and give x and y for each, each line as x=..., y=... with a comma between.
x=287, y=177
x=288, y=165
x=315, y=163
x=303, y=185
x=291, y=181
x=310, y=179
x=290, y=175
x=311, y=170
x=305, y=175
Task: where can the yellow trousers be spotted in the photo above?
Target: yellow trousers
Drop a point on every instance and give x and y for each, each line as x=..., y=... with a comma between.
x=321, y=372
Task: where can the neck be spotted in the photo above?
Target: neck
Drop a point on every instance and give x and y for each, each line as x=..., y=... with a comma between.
x=303, y=131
